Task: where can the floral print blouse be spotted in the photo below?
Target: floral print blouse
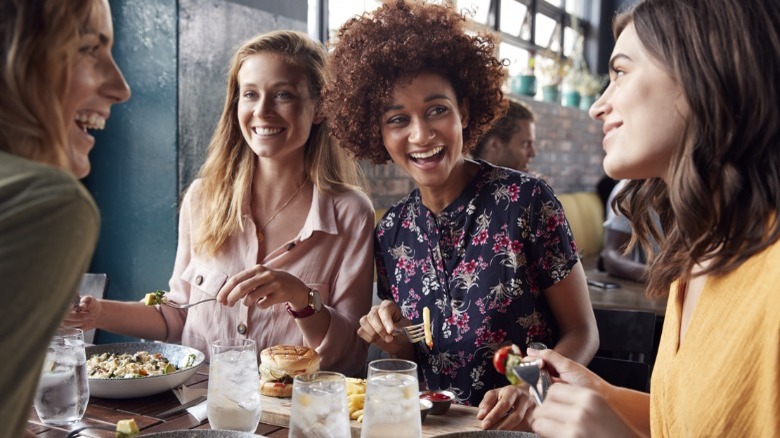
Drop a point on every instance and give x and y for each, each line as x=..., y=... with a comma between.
x=480, y=266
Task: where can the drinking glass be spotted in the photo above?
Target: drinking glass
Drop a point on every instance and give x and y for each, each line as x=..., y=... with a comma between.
x=392, y=407
x=234, y=386
x=319, y=406
x=63, y=392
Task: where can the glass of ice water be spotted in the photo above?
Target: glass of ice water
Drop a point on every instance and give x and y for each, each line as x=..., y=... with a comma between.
x=392, y=407
x=63, y=392
x=319, y=406
x=234, y=386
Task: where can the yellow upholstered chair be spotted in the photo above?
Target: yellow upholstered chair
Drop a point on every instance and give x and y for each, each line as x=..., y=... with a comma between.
x=586, y=218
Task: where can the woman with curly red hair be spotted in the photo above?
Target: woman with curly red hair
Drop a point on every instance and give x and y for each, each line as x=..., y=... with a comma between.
x=486, y=249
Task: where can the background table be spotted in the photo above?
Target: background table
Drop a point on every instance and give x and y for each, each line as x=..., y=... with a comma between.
x=629, y=296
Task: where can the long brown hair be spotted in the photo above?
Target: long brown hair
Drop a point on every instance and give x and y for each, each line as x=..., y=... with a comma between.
x=39, y=40
x=721, y=201
x=230, y=164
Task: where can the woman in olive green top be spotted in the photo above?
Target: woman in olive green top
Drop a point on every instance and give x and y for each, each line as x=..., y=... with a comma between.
x=58, y=81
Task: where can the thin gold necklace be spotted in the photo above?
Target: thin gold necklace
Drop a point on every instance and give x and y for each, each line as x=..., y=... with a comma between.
x=260, y=236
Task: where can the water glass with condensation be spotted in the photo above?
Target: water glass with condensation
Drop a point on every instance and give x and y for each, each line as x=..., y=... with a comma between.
x=234, y=386
x=319, y=406
x=392, y=408
x=63, y=391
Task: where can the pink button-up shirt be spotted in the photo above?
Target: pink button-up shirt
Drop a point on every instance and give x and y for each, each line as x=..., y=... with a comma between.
x=332, y=254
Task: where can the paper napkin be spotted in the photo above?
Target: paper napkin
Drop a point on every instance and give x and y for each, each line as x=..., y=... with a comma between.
x=185, y=394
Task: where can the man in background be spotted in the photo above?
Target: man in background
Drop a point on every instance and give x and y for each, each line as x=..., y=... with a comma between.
x=510, y=143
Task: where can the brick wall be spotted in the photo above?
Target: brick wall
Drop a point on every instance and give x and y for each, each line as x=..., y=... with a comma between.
x=568, y=154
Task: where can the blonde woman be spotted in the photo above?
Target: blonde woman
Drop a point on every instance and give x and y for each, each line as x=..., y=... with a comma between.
x=275, y=228
x=58, y=82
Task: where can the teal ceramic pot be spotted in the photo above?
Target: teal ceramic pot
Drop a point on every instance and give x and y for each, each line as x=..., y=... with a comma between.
x=572, y=99
x=587, y=101
x=524, y=85
x=551, y=93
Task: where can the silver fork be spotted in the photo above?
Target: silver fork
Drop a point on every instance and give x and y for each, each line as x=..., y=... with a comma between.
x=415, y=333
x=528, y=372
x=544, y=374
x=185, y=306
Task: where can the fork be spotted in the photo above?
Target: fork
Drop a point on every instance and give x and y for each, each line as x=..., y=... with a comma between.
x=415, y=333
x=528, y=372
x=185, y=306
x=77, y=432
x=544, y=374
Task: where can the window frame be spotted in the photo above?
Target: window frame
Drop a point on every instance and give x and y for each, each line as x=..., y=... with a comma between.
x=562, y=18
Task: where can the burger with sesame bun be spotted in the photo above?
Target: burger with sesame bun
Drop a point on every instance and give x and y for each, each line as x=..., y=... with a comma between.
x=281, y=363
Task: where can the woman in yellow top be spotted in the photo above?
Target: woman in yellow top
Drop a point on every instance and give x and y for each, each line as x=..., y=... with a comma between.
x=691, y=116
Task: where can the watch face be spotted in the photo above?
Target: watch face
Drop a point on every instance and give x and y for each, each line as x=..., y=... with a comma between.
x=315, y=300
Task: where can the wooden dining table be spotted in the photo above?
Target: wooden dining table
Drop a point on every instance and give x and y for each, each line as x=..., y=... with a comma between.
x=145, y=411
x=274, y=423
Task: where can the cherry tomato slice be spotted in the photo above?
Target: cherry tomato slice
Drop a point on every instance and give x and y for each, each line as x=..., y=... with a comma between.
x=499, y=358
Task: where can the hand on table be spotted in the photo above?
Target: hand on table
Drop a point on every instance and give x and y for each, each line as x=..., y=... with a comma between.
x=264, y=287
x=505, y=408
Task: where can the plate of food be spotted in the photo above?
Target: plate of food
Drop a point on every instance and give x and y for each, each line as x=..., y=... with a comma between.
x=139, y=369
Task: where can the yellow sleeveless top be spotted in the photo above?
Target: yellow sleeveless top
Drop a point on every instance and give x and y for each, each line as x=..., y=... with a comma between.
x=725, y=380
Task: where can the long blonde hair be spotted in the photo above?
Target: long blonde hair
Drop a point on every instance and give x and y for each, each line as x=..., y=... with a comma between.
x=230, y=164
x=40, y=38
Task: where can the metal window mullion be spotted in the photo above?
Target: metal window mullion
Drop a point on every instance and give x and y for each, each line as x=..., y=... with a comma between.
x=494, y=15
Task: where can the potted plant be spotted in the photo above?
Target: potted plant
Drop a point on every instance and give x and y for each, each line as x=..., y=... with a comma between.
x=589, y=86
x=525, y=83
x=570, y=87
x=552, y=68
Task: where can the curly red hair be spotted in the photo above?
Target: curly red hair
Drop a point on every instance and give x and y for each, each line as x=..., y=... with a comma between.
x=401, y=40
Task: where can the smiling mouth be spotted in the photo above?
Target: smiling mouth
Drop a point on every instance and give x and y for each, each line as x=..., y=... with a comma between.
x=267, y=131
x=428, y=156
x=90, y=121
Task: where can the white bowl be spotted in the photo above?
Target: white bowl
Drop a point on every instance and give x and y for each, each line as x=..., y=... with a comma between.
x=143, y=386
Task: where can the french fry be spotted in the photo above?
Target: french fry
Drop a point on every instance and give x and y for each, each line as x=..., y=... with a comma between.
x=356, y=398
x=356, y=386
x=427, y=327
